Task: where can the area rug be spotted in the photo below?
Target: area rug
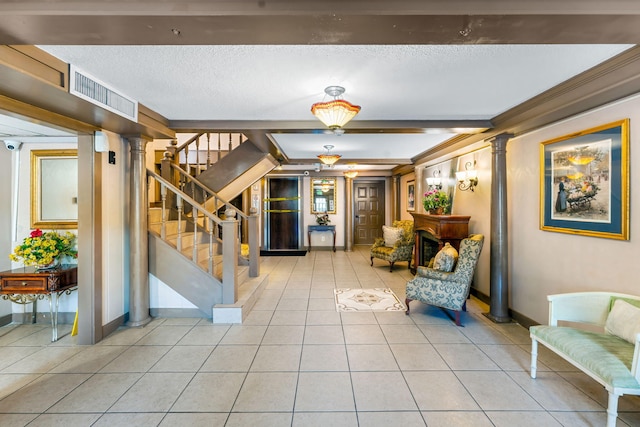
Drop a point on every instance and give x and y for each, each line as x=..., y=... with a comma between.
x=359, y=299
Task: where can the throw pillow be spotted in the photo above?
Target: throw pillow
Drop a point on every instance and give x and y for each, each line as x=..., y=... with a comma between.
x=623, y=321
x=391, y=235
x=446, y=258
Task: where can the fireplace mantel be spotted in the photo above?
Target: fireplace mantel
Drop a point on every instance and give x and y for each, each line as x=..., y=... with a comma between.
x=439, y=228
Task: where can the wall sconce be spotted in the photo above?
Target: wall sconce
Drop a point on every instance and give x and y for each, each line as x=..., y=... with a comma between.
x=435, y=181
x=468, y=178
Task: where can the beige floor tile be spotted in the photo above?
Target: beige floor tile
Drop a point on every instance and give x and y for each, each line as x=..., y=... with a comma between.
x=210, y=392
x=259, y=420
x=125, y=336
x=40, y=394
x=244, y=334
x=130, y=419
x=292, y=293
x=258, y=317
x=165, y=335
x=294, y=304
x=323, y=318
x=70, y=420
x=283, y=334
x=12, y=382
x=11, y=355
x=17, y=420
x=204, y=335
x=439, y=390
x=194, y=419
x=277, y=358
x=97, y=394
x=154, y=392
x=456, y=418
x=324, y=334
x=136, y=359
x=522, y=419
x=290, y=318
x=319, y=357
x=323, y=419
x=444, y=334
x=183, y=359
x=324, y=391
x=417, y=357
x=230, y=358
x=267, y=392
x=363, y=334
x=496, y=391
x=393, y=317
x=509, y=357
x=322, y=304
x=371, y=357
x=481, y=334
x=465, y=357
x=377, y=419
x=322, y=293
x=358, y=318
x=403, y=334
x=44, y=360
x=381, y=391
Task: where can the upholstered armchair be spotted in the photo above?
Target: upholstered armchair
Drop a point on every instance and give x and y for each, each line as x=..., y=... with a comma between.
x=396, y=245
x=447, y=290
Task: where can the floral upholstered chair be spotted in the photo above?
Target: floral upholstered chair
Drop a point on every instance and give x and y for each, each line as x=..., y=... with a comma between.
x=396, y=243
x=447, y=290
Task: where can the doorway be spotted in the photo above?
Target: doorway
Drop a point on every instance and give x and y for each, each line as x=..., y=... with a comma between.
x=282, y=213
x=368, y=200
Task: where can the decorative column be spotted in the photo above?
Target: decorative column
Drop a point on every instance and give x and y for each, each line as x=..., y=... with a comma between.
x=499, y=266
x=395, y=196
x=348, y=212
x=138, y=242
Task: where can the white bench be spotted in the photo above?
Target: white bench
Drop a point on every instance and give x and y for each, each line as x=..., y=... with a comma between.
x=580, y=339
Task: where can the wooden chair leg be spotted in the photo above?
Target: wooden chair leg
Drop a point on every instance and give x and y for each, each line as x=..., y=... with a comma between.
x=464, y=306
x=371, y=261
x=458, y=318
x=391, y=266
x=406, y=303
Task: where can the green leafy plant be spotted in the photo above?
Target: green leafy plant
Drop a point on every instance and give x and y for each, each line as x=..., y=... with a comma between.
x=434, y=199
x=42, y=248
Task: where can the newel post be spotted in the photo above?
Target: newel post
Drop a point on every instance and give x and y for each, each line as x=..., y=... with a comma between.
x=229, y=258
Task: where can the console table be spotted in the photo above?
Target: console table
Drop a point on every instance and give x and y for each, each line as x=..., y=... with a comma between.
x=433, y=231
x=321, y=228
x=26, y=285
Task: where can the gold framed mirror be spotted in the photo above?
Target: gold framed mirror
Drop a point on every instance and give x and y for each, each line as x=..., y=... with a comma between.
x=54, y=189
x=323, y=195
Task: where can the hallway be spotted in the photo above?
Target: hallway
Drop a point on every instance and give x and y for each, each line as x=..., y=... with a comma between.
x=298, y=362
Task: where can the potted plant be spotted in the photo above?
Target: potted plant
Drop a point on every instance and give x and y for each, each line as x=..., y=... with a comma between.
x=436, y=202
x=45, y=249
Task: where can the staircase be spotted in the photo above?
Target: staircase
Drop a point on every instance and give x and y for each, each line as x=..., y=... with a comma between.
x=199, y=254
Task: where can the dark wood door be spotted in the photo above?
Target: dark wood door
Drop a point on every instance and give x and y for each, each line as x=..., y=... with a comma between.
x=283, y=213
x=368, y=198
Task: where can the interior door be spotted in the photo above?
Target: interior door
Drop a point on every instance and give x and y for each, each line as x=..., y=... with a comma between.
x=368, y=210
x=283, y=213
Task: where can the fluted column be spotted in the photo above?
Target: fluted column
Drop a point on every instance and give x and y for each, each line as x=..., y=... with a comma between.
x=499, y=287
x=348, y=212
x=138, y=242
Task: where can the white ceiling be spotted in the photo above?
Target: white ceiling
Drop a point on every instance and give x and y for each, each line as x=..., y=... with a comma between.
x=279, y=83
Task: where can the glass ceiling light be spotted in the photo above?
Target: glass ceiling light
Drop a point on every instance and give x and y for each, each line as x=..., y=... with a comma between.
x=336, y=113
x=328, y=158
x=351, y=172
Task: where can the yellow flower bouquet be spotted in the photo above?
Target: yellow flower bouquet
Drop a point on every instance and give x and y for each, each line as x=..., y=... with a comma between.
x=43, y=248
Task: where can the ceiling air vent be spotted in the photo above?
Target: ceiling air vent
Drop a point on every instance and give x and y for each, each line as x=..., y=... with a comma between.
x=93, y=90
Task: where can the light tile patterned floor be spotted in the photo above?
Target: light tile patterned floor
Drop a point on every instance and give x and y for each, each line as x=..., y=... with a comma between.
x=298, y=362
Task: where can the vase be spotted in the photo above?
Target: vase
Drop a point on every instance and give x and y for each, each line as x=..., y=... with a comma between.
x=47, y=267
x=437, y=211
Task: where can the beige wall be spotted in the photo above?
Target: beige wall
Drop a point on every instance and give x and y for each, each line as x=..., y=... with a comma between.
x=543, y=262
x=6, y=246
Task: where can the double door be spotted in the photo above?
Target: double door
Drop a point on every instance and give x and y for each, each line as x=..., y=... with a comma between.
x=282, y=216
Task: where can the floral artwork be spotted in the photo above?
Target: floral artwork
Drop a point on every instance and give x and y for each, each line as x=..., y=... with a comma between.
x=585, y=182
x=411, y=196
x=43, y=248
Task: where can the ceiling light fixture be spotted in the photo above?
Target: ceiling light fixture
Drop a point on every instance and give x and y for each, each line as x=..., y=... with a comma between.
x=328, y=158
x=336, y=113
x=351, y=172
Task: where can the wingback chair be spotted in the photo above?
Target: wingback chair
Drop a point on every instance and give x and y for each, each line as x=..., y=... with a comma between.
x=447, y=290
x=401, y=250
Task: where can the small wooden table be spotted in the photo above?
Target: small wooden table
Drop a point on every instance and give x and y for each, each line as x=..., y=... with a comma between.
x=321, y=228
x=26, y=285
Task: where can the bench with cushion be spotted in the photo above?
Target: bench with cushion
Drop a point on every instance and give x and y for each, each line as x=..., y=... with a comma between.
x=597, y=332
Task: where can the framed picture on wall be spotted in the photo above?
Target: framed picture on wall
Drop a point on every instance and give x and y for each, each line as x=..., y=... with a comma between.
x=411, y=195
x=584, y=182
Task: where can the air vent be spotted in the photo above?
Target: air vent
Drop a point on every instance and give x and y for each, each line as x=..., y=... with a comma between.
x=93, y=90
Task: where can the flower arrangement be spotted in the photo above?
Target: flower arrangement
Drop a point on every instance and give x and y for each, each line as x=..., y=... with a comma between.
x=435, y=200
x=323, y=219
x=42, y=248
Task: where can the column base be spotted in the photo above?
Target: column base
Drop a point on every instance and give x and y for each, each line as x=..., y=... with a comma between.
x=497, y=319
x=139, y=323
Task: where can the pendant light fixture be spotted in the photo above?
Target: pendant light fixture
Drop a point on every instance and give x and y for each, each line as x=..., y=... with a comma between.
x=329, y=158
x=337, y=113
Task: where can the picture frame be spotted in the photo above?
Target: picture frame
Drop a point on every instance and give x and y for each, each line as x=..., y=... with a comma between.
x=411, y=195
x=54, y=189
x=584, y=182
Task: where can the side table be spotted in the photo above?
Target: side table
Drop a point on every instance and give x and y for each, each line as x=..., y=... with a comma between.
x=321, y=228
